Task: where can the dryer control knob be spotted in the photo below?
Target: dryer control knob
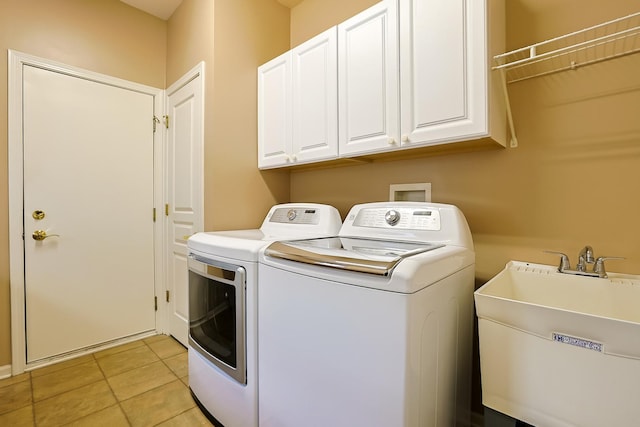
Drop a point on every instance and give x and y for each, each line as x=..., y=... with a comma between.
x=292, y=214
x=392, y=217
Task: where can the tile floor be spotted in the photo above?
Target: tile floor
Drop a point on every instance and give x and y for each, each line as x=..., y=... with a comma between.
x=143, y=383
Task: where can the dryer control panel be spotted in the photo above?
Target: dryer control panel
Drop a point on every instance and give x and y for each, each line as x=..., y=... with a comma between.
x=301, y=220
x=296, y=216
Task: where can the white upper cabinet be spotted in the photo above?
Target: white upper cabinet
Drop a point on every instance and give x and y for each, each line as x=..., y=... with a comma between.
x=415, y=73
x=368, y=80
x=274, y=112
x=446, y=91
x=401, y=74
x=315, y=98
x=297, y=104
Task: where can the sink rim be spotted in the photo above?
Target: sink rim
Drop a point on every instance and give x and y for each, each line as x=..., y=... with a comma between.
x=514, y=283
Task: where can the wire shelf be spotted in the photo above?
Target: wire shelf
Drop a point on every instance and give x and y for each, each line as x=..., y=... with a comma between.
x=608, y=40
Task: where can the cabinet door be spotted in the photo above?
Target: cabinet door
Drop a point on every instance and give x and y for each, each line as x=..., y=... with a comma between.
x=368, y=80
x=315, y=103
x=443, y=66
x=274, y=112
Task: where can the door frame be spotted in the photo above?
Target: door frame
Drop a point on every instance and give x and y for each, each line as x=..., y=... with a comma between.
x=16, y=62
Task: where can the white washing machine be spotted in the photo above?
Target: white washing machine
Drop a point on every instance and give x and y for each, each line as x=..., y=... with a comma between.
x=370, y=328
x=223, y=282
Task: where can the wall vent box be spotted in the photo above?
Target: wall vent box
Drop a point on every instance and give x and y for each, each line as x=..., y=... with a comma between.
x=420, y=192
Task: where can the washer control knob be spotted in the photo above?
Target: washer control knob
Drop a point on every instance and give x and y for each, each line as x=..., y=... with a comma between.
x=292, y=214
x=392, y=217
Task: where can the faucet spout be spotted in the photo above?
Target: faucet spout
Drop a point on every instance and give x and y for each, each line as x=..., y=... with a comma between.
x=585, y=257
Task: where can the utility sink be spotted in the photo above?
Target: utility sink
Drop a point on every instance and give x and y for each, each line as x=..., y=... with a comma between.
x=559, y=349
x=539, y=300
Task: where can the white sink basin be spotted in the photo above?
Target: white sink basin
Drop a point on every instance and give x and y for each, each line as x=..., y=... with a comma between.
x=558, y=349
x=538, y=299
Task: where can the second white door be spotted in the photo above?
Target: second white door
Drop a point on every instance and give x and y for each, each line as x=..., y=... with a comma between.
x=184, y=191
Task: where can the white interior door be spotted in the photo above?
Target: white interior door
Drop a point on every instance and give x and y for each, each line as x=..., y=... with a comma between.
x=185, y=190
x=88, y=169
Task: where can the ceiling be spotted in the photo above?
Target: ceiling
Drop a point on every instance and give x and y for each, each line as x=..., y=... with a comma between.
x=289, y=3
x=163, y=9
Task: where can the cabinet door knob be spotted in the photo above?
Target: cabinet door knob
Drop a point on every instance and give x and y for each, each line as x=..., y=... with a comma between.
x=392, y=141
x=294, y=158
x=405, y=138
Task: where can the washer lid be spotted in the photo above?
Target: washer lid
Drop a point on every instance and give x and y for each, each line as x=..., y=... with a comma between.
x=354, y=254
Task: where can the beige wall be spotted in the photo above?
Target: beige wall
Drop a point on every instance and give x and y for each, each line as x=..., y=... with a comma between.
x=237, y=195
x=312, y=17
x=233, y=37
x=105, y=36
x=573, y=180
x=190, y=40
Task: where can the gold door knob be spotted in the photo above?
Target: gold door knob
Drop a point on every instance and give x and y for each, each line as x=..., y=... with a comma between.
x=40, y=235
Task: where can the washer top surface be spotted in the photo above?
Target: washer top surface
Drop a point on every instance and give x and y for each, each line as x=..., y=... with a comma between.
x=282, y=222
x=404, y=246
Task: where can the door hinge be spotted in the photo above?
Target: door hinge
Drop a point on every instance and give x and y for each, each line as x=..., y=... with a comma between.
x=167, y=295
x=166, y=209
x=154, y=214
x=155, y=303
x=156, y=120
x=166, y=121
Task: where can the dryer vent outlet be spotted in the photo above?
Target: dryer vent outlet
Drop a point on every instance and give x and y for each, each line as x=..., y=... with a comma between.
x=420, y=192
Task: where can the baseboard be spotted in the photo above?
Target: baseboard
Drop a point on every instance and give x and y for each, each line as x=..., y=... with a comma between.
x=5, y=371
x=477, y=419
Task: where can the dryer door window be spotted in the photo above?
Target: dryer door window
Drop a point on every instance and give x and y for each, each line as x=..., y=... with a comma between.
x=217, y=315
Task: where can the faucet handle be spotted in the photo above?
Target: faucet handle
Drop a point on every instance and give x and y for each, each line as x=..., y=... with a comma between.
x=564, y=260
x=599, y=266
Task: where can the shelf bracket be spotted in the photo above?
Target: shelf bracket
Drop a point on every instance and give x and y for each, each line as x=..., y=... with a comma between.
x=513, y=143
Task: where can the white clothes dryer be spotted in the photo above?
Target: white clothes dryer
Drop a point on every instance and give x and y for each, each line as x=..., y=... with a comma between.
x=223, y=283
x=372, y=327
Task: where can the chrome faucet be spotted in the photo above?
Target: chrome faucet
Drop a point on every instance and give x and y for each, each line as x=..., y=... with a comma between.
x=585, y=257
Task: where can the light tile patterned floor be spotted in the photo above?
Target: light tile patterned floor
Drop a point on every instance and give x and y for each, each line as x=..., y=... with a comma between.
x=143, y=383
